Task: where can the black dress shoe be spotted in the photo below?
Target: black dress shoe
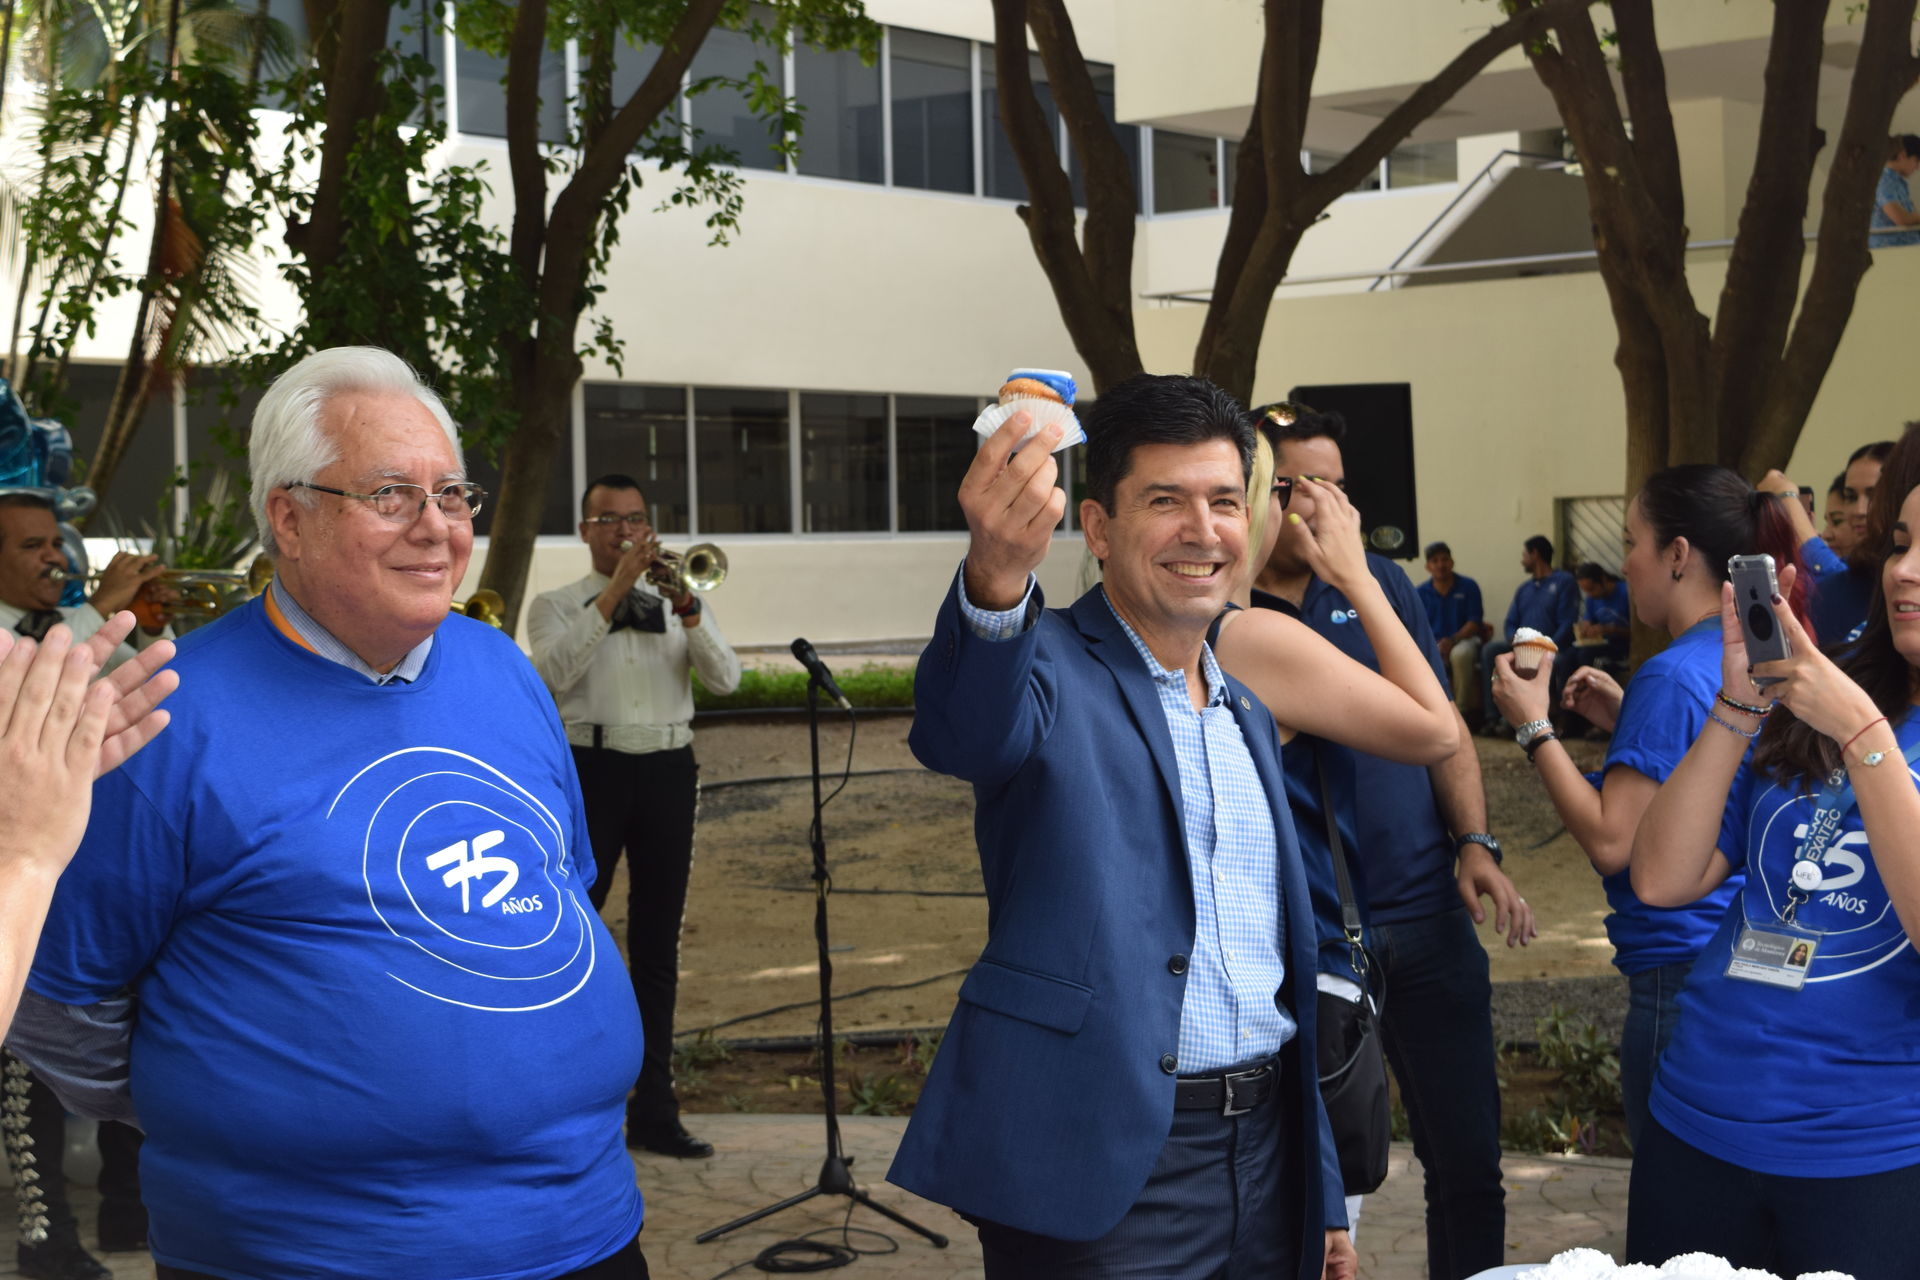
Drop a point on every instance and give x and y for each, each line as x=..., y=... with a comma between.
x=123, y=1225
x=61, y=1257
x=670, y=1139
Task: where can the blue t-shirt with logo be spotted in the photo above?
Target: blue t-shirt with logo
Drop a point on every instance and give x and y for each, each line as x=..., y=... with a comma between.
x=1550, y=605
x=381, y=1031
x=1610, y=610
x=1447, y=614
x=1665, y=707
x=1823, y=1082
x=1401, y=856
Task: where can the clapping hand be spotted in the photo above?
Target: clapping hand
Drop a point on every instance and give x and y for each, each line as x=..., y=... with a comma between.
x=1012, y=505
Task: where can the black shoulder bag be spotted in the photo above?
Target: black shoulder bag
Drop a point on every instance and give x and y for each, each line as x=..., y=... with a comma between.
x=1352, y=1062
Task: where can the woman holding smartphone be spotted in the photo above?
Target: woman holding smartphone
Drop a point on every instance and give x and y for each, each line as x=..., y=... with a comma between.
x=1785, y=1129
x=1681, y=529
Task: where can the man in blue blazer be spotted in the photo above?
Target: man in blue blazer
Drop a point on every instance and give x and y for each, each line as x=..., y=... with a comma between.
x=1126, y=1087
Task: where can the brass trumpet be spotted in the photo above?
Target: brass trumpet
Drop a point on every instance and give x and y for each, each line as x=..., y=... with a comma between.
x=702, y=567
x=484, y=605
x=202, y=587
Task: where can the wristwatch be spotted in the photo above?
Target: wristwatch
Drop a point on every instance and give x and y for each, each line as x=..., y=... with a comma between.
x=1481, y=838
x=1530, y=730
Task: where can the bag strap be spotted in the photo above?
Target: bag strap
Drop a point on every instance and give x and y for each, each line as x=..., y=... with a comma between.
x=1349, y=909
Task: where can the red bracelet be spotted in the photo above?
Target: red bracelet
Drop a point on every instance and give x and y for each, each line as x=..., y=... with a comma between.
x=1856, y=737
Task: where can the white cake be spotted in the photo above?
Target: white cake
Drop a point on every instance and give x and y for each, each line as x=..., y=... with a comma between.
x=1591, y=1264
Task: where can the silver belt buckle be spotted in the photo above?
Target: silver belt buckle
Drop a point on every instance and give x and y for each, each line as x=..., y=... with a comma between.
x=1227, y=1081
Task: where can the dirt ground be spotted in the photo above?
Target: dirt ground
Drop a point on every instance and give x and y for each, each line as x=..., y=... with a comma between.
x=905, y=916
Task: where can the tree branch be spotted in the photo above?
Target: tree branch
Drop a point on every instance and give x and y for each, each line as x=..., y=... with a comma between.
x=349, y=41
x=1763, y=273
x=1643, y=77
x=1886, y=70
x=524, y=161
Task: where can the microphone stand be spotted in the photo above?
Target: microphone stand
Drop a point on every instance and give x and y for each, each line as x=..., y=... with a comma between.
x=835, y=1177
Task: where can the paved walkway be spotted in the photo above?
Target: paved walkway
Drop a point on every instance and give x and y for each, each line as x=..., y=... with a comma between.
x=1553, y=1203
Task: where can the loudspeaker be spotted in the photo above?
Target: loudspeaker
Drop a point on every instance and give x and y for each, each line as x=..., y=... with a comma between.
x=1379, y=455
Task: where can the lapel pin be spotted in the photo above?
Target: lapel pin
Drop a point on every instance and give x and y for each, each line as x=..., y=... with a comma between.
x=1244, y=704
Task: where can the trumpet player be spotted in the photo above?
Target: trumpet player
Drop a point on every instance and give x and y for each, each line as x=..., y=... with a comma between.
x=30, y=552
x=616, y=653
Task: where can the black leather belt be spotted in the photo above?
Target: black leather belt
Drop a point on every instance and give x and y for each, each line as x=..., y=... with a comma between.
x=1229, y=1093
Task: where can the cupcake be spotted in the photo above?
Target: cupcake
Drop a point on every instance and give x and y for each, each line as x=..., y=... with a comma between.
x=1530, y=649
x=1045, y=395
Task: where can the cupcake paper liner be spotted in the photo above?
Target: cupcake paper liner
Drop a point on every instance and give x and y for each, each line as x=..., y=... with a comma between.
x=1041, y=413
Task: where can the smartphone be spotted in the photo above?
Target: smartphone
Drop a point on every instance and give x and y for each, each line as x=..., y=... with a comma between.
x=1754, y=587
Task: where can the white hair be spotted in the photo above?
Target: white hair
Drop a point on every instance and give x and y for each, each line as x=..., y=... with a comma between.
x=288, y=444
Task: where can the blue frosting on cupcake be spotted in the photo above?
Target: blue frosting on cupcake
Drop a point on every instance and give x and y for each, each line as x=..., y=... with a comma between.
x=1061, y=384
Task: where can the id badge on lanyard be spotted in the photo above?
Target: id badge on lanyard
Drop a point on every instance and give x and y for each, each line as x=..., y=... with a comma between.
x=1779, y=952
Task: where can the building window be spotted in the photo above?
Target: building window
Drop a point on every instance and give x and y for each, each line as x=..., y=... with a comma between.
x=720, y=112
x=842, y=134
x=483, y=94
x=559, y=514
x=1186, y=172
x=641, y=432
x=843, y=463
x=741, y=439
x=1321, y=161
x=1419, y=164
x=932, y=111
x=1003, y=177
x=935, y=442
x=146, y=470
x=1128, y=135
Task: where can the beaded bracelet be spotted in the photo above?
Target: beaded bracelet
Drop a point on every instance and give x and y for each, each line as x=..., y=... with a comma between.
x=1721, y=697
x=1730, y=727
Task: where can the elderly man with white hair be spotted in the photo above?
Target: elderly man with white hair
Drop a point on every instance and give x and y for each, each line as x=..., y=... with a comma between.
x=329, y=938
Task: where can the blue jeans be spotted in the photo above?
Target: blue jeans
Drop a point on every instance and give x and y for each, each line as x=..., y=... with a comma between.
x=1438, y=1030
x=1682, y=1200
x=1653, y=999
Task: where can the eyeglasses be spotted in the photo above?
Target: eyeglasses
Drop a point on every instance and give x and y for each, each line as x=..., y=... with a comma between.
x=403, y=503
x=638, y=519
x=1283, y=488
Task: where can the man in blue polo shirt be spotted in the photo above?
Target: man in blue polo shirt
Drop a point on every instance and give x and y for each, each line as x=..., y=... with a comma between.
x=1458, y=620
x=1422, y=860
x=1549, y=602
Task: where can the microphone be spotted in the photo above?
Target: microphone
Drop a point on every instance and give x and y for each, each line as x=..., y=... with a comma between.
x=818, y=670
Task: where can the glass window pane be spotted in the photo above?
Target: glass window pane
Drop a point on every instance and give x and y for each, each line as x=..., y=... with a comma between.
x=720, y=113
x=932, y=112
x=483, y=94
x=742, y=439
x=147, y=467
x=1003, y=177
x=1321, y=161
x=843, y=463
x=934, y=435
x=1419, y=164
x=1129, y=136
x=642, y=432
x=1185, y=175
x=560, y=514
x=841, y=134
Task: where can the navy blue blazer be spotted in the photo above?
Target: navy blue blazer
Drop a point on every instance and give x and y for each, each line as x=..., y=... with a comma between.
x=1052, y=1094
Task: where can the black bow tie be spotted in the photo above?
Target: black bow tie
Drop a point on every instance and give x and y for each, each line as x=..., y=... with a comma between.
x=36, y=624
x=641, y=612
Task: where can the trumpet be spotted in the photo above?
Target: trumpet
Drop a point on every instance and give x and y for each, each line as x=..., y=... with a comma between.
x=204, y=586
x=484, y=605
x=702, y=567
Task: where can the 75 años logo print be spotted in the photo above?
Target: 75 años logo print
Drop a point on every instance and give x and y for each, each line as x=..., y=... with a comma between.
x=470, y=874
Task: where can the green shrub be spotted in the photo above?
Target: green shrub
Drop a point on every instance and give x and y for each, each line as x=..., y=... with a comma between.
x=876, y=1095
x=871, y=685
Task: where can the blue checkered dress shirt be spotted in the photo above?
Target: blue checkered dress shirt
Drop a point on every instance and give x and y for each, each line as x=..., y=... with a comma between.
x=1231, y=1013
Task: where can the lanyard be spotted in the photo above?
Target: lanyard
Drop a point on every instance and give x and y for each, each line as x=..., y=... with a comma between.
x=1836, y=800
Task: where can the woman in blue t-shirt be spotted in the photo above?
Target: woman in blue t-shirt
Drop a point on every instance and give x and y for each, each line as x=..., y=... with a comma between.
x=1785, y=1128
x=1680, y=530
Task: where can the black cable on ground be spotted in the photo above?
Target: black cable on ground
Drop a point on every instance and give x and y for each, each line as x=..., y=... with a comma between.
x=905, y=893
x=808, y=1004
x=804, y=1254
x=802, y=777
